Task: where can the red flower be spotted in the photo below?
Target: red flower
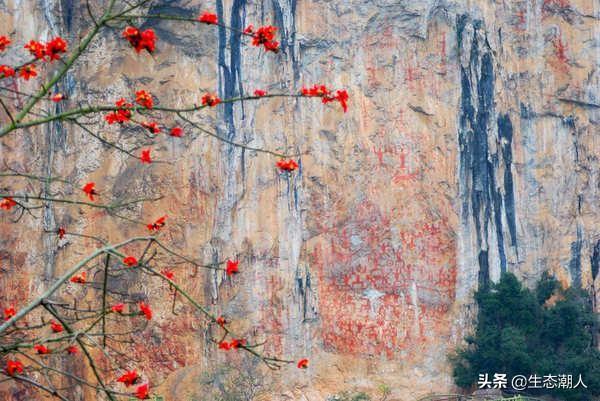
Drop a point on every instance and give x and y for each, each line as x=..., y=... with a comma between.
x=303, y=364
x=168, y=274
x=210, y=100
x=37, y=49
x=264, y=36
x=55, y=47
x=224, y=345
x=158, y=224
x=316, y=90
x=142, y=392
x=90, y=190
x=79, y=278
x=13, y=367
x=152, y=127
x=144, y=99
x=130, y=261
x=72, y=350
x=176, y=131
x=56, y=327
x=145, y=156
x=7, y=203
x=260, y=92
x=221, y=321
x=145, y=310
x=208, y=18
x=232, y=267
x=61, y=232
x=129, y=378
x=235, y=343
x=4, y=42
x=41, y=349
x=341, y=96
x=6, y=71
x=27, y=72
x=287, y=165
x=121, y=115
x=140, y=40
x=118, y=308
x=58, y=97
x=249, y=29
x=9, y=312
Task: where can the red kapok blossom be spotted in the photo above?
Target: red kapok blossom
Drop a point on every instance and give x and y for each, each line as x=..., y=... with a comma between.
x=287, y=165
x=37, y=49
x=4, y=42
x=224, y=345
x=176, y=131
x=72, y=350
x=152, y=127
x=9, y=312
x=7, y=203
x=79, y=278
x=316, y=90
x=168, y=273
x=142, y=392
x=6, y=71
x=58, y=97
x=118, y=308
x=56, y=327
x=144, y=99
x=55, y=47
x=27, y=72
x=232, y=267
x=303, y=364
x=145, y=156
x=90, y=190
x=140, y=40
x=260, y=92
x=41, y=349
x=237, y=343
x=130, y=261
x=340, y=96
x=61, y=232
x=13, y=366
x=129, y=378
x=221, y=321
x=158, y=224
x=249, y=29
x=264, y=36
x=210, y=99
x=208, y=18
x=145, y=310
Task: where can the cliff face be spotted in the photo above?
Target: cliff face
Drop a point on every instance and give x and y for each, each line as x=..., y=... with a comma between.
x=470, y=148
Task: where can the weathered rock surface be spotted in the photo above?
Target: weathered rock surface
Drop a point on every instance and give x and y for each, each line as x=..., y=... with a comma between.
x=470, y=148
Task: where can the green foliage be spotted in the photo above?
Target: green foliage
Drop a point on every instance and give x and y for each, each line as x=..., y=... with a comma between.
x=520, y=333
x=349, y=396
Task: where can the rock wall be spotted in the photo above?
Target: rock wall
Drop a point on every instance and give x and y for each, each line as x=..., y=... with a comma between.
x=470, y=148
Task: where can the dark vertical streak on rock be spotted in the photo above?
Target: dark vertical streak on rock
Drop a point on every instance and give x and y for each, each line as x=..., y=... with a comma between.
x=595, y=260
x=487, y=194
x=287, y=32
x=575, y=262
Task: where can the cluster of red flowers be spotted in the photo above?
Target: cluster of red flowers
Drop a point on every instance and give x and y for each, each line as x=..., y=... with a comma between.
x=210, y=99
x=177, y=132
x=50, y=50
x=151, y=126
x=7, y=203
x=287, y=165
x=221, y=321
x=233, y=344
x=144, y=99
x=6, y=71
x=145, y=40
x=121, y=115
x=4, y=42
x=90, y=190
x=265, y=36
x=9, y=312
x=208, y=18
x=130, y=261
x=145, y=156
x=131, y=377
x=79, y=278
x=158, y=224
x=260, y=92
x=118, y=308
x=327, y=96
x=41, y=349
x=145, y=310
x=232, y=267
x=56, y=327
x=13, y=366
